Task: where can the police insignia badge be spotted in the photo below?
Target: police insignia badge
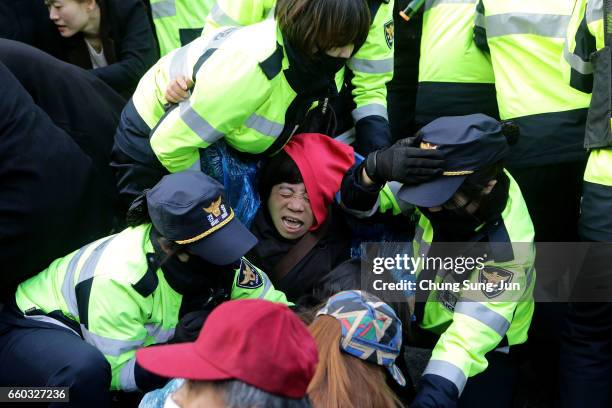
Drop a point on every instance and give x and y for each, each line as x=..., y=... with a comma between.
x=496, y=280
x=389, y=34
x=249, y=277
x=217, y=213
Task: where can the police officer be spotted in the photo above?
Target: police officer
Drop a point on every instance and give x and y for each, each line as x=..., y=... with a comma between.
x=79, y=322
x=526, y=41
x=253, y=87
x=586, y=356
x=178, y=22
x=368, y=70
x=455, y=76
x=473, y=200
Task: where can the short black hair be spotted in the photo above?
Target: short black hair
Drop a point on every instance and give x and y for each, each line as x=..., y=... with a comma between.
x=279, y=169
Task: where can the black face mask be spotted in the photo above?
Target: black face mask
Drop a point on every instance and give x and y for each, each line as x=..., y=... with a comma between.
x=328, y=65
x=458, y=224
x=311, y=75
x=188, y=278
x=451, y=225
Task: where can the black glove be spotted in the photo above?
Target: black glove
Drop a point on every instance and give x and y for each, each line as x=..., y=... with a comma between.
x=405, y=163
x=188, y=328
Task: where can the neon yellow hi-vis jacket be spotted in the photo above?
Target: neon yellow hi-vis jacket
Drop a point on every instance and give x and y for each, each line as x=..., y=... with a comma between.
x=178, y=22
x=108, y=289
x=372, y=64
x=240, y=94
x=586, y=62
x=525, y=39
x=472, y=323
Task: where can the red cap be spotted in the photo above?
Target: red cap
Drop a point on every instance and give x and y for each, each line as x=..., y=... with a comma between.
x=323, y=162
x=258, y=342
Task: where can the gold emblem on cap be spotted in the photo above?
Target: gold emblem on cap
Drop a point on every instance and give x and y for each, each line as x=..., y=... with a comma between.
x=214, y=208
x=428, y=146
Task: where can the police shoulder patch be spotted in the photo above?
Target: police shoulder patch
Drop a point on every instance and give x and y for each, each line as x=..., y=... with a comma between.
x=248, y=277
x=495, y=280
x=389, y=33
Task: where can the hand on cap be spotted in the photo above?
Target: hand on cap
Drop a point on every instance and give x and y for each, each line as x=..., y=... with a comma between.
x=404, y=163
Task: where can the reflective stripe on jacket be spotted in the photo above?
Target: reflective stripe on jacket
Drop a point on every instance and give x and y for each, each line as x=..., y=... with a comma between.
x=470, y=328
x=97, y=287
x=240, y=94
x=526, y=41
x=372, y=64
x=178, y=22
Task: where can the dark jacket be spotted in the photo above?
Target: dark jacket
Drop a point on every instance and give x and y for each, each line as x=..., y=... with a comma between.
x=56, y=132
x=128, y=42
x=330, y=251
x=28, y=21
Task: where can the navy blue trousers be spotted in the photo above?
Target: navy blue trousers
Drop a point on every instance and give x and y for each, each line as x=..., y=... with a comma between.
x=55, y=357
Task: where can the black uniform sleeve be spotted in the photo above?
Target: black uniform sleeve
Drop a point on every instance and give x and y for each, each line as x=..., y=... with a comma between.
x=354, y=196
x=372, y=133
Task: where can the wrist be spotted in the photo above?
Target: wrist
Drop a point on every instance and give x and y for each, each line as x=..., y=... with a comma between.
x=369, y=169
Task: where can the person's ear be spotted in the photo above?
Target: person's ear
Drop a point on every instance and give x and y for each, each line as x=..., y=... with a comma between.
x=489, y=187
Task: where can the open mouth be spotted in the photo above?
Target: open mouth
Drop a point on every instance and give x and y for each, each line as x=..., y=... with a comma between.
x=292, y=224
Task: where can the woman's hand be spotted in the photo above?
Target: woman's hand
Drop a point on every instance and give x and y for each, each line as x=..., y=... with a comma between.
x=178, y=89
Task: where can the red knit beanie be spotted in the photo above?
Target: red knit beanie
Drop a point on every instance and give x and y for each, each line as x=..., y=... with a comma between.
x=323, y=162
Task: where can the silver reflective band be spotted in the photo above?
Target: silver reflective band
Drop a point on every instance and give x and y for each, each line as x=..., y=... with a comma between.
x=370, y=110
x=127, y=379
x=178, y=63
x=68, y=285
x=447, y=370
x=544, y=25
x=196, y=166
x=395, y=187
x=267, y=286
x=434, y=3
x=594, y=11
x=221, y=18
x=198, y=124
x=165, y=8
x=108, y=346
x=264, y=126
x=371, y=66
x=347, y=137
x=583, y=67
x=160, y=334
x=484, y=315
x=89, y=268
x=423, y=245
x=479, y=20
x=530, y=274
x=48, y=319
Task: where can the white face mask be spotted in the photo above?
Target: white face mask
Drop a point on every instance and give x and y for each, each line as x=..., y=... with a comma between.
x=170, y=403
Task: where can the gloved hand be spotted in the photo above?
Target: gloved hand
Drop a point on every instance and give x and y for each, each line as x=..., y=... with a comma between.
x=188, y=328
x=405, y=163
x=435, y=392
